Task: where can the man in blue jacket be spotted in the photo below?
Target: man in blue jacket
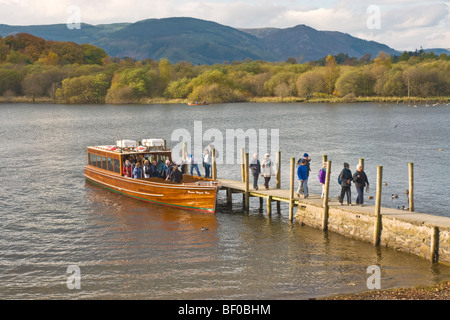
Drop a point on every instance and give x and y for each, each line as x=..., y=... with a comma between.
x=302, y=173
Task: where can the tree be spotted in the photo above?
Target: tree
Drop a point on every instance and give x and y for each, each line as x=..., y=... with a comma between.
x=287, y=78
x=331, y=74
x=93, y=54
x=10, y=80
x=84, y=89
x=355, y=81
x=309, y=83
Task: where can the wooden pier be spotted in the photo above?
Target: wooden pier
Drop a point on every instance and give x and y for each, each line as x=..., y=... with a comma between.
x=402, y=229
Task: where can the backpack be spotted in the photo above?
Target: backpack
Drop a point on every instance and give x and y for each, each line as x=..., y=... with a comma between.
x=339, y=179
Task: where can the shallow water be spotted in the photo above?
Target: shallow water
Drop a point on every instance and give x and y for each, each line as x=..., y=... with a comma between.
x=53, y=218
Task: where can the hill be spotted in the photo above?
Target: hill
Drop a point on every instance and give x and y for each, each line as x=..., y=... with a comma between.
x=205, y=42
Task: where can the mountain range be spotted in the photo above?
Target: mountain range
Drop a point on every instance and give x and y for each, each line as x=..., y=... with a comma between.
x=205, y=42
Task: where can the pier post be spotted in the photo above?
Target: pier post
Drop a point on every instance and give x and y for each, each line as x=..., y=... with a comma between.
x=247, y=188
x=184, y=158
x=269, y=205
x=434, y=245
x=378, y=226
x=213, y=164
x=229, y=196
x=278, y=170
x=324, y=158
x=291, y=189
x=326, y=195
x=242, y=165
x=411, y=186
x=361, y=162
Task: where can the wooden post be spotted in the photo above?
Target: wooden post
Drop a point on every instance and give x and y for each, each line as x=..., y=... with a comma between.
x=213, y=164
x=291, y=189
x=185, y=158
x=260, y=203
x=378, y=227
x=229, y=196
x=434, y=245
x=242, y=165
x=361, y=162
x=247, y=183
x=278, y=185
x=326, y=195
x=411, y=186
x=269, y=205
x=324, y=158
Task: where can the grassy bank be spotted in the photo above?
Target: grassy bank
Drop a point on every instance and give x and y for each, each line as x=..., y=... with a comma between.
x=412, y=100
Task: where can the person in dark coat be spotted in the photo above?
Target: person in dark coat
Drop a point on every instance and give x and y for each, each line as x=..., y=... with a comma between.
x=346, y=178
x=360, y=180
x=255, y=168
x=176, y=175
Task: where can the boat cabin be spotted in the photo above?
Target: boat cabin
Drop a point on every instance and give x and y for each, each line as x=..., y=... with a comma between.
x=112, y=158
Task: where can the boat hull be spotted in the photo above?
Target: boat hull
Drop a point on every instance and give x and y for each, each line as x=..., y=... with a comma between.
x=188, y=196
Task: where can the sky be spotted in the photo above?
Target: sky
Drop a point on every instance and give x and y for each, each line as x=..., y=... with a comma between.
x=401, y=24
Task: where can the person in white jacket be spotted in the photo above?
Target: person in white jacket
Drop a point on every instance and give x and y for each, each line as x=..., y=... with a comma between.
x=267, y=169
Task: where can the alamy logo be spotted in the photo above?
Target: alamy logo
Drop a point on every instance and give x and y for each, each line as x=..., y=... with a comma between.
x=74, y=279
x=227, y=144
x=74, y=20
x=374, y=280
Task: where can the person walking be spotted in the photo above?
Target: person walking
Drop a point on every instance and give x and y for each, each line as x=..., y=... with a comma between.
x=360, y=180
x=308, y=162
x=255, y=167
x=322, y=176
x=302, y=173
x=346, y=178
x=267, y=170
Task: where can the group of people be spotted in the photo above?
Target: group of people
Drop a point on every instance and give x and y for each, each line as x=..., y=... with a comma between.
x=359, y=178
x=206, y=162
x=168, y=170
x=345, y=179
x=267, y=169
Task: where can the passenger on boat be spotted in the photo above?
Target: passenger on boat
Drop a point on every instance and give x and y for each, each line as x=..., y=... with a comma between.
x=168, y=169
x=154, y=170
x=146, y=169
x=176, y=175
x=137, y=171
x=127, y=171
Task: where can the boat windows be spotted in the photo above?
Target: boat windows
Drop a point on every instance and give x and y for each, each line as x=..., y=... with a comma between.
x=103, y=159
x=110, y=164
x=116, y=165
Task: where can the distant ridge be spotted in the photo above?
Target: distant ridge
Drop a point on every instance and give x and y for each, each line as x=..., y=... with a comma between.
x=206, y=42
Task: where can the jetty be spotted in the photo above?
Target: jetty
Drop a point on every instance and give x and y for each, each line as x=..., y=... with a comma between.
x=424, y=235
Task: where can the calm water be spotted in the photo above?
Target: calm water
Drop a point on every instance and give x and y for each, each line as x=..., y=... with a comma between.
x=52, y=218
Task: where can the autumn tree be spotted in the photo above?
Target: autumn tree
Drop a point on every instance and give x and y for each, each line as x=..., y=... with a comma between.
x=84, y=89
x=311, y=82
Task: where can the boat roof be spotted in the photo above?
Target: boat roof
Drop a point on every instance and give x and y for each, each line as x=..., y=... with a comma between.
x=131, y=150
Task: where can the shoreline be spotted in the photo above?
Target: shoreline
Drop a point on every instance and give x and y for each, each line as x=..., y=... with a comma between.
x=398, y=100
x=439, y=291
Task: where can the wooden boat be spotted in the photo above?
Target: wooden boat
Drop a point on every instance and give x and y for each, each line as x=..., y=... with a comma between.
x=196, y=103
x=105, y=166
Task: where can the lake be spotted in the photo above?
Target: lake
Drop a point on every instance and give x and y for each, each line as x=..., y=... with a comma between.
x=125, y=249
